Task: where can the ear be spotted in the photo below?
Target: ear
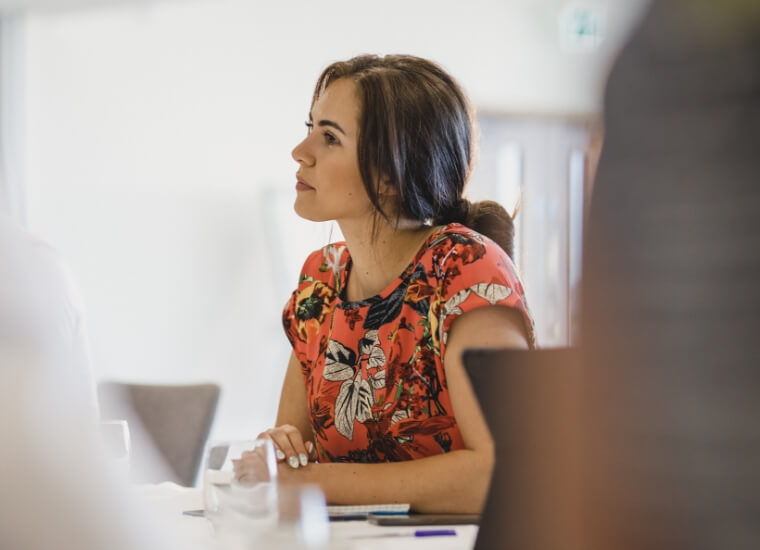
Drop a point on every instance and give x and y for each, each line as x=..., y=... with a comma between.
x=387, y=195
x=385, y=190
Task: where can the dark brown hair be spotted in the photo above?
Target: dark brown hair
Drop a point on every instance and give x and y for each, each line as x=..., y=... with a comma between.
x=416, y=135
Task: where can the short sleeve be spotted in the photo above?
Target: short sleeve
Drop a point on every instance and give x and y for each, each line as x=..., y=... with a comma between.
x=476, y=272
x=310, y=303
x=288, y=317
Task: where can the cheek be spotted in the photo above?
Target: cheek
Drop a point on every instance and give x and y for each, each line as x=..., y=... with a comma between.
x=353, y=187
x=356, y=194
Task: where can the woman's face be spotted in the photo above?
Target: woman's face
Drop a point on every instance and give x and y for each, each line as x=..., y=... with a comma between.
x=329, y=185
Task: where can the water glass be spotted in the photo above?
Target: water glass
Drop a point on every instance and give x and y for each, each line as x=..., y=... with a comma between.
x=116, y=441
x=302, y=518
x=244, y=507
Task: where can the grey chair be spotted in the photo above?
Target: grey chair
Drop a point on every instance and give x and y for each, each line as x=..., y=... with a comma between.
x=168, y=426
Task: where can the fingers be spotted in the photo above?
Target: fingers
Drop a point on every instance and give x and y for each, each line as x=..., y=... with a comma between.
x=312, y=450
x=290, y=448
x=251, y=468
x=289, y=445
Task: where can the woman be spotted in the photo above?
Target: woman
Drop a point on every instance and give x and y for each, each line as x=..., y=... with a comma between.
x=376, y=406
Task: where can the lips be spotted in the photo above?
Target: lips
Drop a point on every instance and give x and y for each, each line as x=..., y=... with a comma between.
x=301, y=185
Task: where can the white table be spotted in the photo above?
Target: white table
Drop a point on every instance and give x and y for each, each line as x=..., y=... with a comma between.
x=169, y=500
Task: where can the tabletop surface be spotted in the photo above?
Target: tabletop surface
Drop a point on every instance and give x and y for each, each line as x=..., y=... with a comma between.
x=169, y=500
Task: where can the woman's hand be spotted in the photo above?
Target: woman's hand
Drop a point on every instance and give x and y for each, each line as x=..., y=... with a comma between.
x=290, y=446
x=252, y=467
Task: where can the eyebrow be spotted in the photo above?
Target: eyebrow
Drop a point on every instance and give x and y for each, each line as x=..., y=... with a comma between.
x=329, y=123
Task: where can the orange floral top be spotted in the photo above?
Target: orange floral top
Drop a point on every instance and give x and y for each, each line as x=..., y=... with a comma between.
x=375, y=381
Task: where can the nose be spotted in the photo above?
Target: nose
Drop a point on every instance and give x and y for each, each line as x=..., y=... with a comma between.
x=301, y=153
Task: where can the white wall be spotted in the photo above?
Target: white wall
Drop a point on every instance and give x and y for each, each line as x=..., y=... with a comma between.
x=157, y=158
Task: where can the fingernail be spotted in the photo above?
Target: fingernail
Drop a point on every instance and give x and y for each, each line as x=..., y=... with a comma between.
x=280, y=455
x=293, y=461
x=309, y=446
x=304, y=459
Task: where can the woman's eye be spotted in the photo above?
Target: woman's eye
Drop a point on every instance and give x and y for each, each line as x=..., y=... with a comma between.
x=309, y=127
x=330, y=139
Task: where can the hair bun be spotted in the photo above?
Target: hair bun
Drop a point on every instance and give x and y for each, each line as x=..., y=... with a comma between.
x=486, y=217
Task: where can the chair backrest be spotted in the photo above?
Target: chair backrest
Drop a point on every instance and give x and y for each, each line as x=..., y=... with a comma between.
x=530, y=399
x=168, y=426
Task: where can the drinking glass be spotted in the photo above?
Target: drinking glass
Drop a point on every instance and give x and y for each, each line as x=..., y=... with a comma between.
x=302, y=519
x=115, y=437
x=240, y=508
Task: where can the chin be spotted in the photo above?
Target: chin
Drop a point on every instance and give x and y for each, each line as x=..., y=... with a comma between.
x=308, y=214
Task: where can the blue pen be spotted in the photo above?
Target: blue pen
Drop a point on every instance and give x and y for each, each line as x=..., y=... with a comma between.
x=417, y=533
x=435, y=533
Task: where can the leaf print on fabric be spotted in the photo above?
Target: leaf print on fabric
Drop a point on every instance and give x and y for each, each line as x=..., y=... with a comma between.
x=492, y=292
x=376, y=358
x=384, y=311
x=378, y=381
x=345, y=409
x=399, y=415
x=366, y=399
x=333, y=256
x=422, y=307
x=451, y=307
x=339, y=362
x=368, y=341
x=354, y=402
x=369, y=345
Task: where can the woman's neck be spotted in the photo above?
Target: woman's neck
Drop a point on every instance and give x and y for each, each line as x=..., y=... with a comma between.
x=377, y=262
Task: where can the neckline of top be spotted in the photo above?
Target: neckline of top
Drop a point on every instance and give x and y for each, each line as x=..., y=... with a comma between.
x=387, y=291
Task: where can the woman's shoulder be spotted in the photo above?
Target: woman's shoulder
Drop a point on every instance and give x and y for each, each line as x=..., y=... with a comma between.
x=326, y=264
x=461, y=257
x=474, y=271
x=457, y=242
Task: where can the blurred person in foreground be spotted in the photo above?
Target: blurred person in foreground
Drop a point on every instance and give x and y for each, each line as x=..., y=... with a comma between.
x=41, y=313
x=671, y=298
x=57, y=490
x=375, y=390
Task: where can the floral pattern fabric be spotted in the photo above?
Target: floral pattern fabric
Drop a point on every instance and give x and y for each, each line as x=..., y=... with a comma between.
x=375, y=381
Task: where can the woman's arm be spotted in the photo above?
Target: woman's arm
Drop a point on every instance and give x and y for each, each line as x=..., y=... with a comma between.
x=293, y=436
x=293, y=408
x=455, y=482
